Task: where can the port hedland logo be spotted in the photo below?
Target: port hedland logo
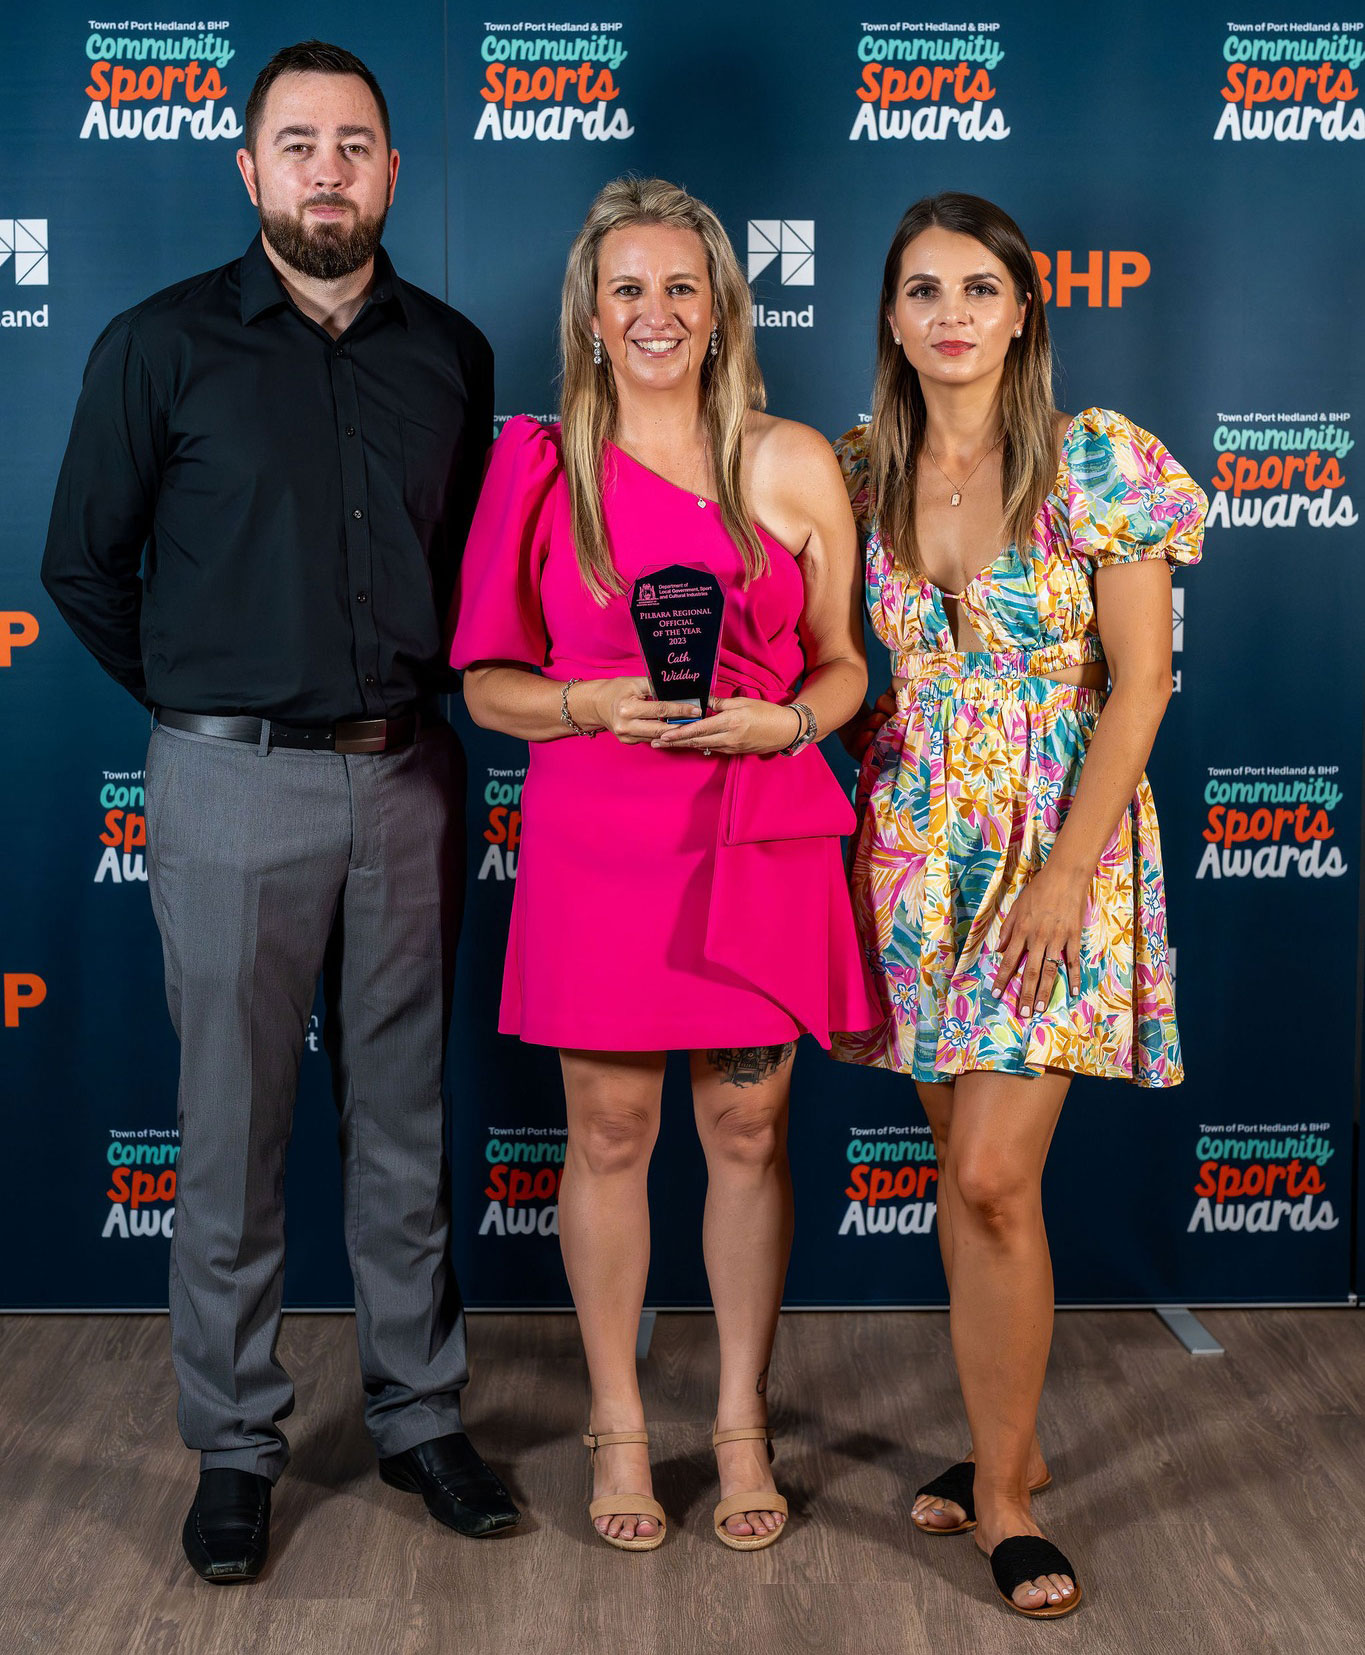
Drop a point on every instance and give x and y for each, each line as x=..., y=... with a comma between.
x=1177, y=633
x=25, y=241
x=24, y=261
x=786, y=248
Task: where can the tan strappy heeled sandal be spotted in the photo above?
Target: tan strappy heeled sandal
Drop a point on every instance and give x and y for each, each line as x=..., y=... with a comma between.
x=625, y=1505
x=766, y=1499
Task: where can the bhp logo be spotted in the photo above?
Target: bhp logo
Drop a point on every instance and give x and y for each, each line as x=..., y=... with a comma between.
x=22, y=991
x=1104, y=278
x=17, y=630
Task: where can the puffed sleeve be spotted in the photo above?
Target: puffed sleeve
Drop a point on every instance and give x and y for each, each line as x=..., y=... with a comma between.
x=1127, y=497
x=851, y=452
x=497, y=611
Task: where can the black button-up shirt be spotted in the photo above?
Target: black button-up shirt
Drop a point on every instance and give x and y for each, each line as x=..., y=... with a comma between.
x=254, y=517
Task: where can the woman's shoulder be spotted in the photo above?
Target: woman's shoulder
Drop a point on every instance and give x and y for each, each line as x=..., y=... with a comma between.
x=787, y=458
x=784, y=441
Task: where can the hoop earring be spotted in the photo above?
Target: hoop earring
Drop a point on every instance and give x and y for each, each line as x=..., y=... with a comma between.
x=715, y=341
x=597, y=350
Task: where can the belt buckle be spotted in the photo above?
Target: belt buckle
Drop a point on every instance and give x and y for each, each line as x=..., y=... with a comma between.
x=362, y=735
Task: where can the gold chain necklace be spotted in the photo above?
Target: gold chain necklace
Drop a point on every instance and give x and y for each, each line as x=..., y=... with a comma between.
x=957, y=488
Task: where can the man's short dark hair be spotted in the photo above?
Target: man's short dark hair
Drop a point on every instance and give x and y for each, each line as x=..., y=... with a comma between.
x=309, y=57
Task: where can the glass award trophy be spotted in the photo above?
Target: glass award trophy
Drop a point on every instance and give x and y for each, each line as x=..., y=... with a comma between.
x=678, y=612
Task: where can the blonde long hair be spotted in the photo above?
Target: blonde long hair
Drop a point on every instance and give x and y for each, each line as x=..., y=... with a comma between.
x=896, y=435
x=731, y=383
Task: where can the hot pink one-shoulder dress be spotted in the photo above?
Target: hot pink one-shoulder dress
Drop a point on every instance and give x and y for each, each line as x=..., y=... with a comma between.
x=664, y=900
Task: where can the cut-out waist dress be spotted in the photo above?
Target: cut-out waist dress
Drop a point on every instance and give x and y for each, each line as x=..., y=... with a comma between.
x=964, y=789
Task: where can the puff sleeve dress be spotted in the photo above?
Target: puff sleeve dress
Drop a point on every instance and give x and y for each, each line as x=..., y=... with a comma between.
x=664, y=900
x=963, y=791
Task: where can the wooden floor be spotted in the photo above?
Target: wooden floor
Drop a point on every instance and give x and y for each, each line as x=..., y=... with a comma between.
x=1212, y=1505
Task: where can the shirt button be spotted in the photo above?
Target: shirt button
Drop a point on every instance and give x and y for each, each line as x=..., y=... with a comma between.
x=369, y=680
x=350, y=430
x=341, y=350
x=362, y=597
x=357, y=514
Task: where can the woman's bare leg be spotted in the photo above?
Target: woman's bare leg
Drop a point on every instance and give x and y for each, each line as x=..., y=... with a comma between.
x=1002, y=1297
x=613, y=1113
x=937, y=1101
x=741, y=1098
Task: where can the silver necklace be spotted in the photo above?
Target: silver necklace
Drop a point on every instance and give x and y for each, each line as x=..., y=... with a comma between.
x=957, y=488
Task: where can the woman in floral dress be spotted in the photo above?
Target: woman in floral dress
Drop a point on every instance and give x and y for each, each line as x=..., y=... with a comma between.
x=1007, y=879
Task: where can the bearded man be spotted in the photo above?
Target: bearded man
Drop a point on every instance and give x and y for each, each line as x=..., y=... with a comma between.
x=256, y=531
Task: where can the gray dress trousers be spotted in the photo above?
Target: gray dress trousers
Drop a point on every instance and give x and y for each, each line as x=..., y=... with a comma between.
x=266, y=868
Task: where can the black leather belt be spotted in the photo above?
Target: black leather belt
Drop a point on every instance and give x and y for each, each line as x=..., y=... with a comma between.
x=359, y=735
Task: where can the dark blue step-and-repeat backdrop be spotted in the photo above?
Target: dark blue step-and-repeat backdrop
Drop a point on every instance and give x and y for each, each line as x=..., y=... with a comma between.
x=1189, y=184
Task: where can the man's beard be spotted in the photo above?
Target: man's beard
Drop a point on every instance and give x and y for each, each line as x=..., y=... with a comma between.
x=326, y=249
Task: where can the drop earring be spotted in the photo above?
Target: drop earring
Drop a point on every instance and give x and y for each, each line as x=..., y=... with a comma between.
x=597, y=350
x=715, y=341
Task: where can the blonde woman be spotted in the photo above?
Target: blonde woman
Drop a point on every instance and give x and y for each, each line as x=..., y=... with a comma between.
x=679, y=885
x=1007, y=880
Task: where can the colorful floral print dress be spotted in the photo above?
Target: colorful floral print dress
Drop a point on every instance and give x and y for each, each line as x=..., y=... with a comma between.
x=964, y=789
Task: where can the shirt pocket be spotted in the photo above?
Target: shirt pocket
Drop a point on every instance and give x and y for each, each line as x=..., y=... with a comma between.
x=428, y=469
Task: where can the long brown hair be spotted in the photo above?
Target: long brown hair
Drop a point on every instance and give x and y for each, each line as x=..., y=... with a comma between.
x=896, y=435
x=731, y=383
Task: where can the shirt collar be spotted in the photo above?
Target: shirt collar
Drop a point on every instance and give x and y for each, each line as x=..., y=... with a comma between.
x=262, y=289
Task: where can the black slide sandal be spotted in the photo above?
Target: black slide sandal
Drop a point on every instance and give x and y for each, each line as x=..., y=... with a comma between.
x=955, y=1484
x=1026, y=1557
x=958, y=1484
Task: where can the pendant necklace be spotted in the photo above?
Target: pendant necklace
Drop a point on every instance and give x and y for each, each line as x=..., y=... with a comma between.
x=957, y=488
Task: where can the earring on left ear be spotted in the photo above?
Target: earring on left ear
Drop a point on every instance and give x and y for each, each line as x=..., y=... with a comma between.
x=715, y=341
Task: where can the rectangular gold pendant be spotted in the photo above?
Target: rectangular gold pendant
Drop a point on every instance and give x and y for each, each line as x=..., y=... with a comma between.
x=956, y=499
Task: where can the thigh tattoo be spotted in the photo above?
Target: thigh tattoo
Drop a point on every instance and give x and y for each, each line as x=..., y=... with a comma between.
x=749, y=1065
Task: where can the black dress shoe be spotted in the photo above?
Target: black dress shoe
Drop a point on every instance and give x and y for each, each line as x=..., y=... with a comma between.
x=459, y=1489
x=227, y=1533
